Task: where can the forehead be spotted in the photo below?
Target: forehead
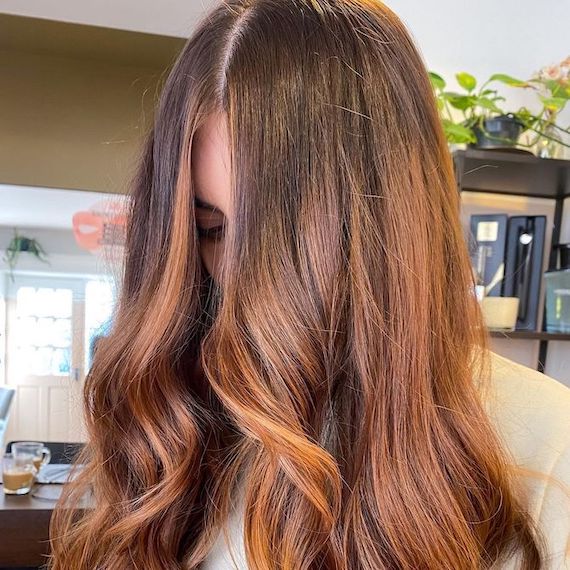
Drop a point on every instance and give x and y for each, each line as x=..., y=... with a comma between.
x=210, y=162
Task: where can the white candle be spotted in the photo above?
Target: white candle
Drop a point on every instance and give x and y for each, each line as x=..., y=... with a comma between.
x=500, y=312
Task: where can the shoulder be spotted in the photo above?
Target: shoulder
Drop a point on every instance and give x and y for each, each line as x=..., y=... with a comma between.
x=531, y=413
x=531, y=408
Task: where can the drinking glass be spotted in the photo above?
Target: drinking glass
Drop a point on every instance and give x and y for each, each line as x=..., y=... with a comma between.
x=17, y=473
x=40, y=453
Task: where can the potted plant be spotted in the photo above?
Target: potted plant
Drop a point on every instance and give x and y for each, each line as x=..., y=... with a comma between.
x=19, y=244
x=552, y=86
x=483, y=122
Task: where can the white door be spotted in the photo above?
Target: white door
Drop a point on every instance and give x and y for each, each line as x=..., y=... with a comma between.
x=50, y=322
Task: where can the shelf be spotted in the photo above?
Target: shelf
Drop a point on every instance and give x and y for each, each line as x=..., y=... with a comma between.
x=516, y=173
x=533, y=335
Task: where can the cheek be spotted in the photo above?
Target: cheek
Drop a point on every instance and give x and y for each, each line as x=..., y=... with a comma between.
x=210, y=252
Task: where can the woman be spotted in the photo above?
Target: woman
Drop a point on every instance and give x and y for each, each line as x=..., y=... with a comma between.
x=297, y=348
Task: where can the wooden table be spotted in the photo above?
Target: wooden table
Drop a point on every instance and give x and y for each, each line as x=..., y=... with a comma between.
x=24, y=525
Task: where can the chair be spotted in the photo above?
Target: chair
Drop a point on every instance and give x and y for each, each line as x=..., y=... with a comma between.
x=61, y=452
x=6, y=399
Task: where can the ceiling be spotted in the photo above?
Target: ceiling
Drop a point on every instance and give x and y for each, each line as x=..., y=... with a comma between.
x=50, y=208
x=166, y=17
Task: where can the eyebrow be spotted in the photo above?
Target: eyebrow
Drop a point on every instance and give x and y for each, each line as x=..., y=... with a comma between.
x=200, y=204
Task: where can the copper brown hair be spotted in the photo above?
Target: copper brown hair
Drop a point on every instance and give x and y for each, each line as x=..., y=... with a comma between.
x=343, y=351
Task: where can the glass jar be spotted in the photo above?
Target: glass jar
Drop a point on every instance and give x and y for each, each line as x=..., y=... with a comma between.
x=545, y=146
x=557, y=300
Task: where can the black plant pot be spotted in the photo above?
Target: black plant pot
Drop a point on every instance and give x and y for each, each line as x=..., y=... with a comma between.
x=25, y=244
x=499, y=132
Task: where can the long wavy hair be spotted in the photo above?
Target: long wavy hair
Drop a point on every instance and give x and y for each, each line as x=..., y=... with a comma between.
x=336, y=370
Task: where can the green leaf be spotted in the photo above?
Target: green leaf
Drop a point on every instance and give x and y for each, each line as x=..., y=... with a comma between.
x=488, y=104
x=461, y=102
x=437, y=81
x=508, y=80
x=466, y=80
x=526, y=118
x=559, y=89
x=457, y=133
x=554, y=103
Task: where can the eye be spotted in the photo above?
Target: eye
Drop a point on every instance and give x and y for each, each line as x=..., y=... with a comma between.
x=210, y=222
x=214, y=233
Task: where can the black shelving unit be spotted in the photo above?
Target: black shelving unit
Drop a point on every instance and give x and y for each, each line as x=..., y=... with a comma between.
x=519, y=173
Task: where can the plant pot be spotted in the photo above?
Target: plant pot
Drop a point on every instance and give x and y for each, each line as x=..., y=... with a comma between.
x=498, y=132
x=25, y=244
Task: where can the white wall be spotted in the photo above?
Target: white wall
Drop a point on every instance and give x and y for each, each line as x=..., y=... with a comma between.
x=516, y=37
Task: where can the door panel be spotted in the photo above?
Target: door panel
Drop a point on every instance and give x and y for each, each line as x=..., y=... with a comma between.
x=44, y=338
x=52, y=324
